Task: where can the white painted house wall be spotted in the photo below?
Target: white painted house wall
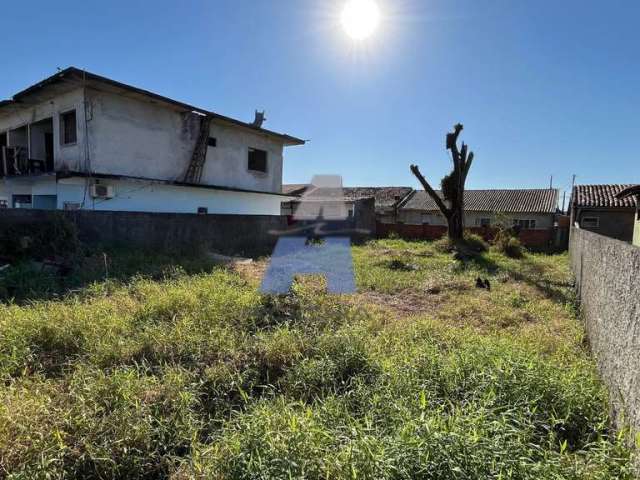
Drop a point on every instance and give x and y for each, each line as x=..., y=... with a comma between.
x=144, y=196
x=136, y=137
x=143, y=139
x=415, y=217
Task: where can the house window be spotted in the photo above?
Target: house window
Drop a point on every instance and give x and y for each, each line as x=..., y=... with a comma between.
x=71, y=205
x=525, y=224
x=68, y=133
x=257, y=160
x=212, y=142
x=203, y=210
x=590, y=222
x=4, y=203
x=22, y=201
x=483, y=222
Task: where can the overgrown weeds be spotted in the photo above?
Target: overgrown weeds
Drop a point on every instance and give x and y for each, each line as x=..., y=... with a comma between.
x=191, y=373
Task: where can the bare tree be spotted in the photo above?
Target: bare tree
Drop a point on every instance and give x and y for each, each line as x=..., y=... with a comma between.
x=452, y=185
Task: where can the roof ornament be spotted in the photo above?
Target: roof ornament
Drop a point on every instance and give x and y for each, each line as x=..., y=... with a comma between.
x=259, y=119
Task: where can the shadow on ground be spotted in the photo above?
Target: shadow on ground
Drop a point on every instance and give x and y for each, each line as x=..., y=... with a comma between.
x=27, y=280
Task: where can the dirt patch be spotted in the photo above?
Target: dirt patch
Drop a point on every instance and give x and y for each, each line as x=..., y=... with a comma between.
x=401, y=304
x=251, y=272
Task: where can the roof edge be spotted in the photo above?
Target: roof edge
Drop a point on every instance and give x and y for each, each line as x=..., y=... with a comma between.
x=628, y=192
x=74, y=72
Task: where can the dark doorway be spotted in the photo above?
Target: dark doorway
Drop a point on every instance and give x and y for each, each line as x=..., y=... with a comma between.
x=3, y=143
x=48, y=151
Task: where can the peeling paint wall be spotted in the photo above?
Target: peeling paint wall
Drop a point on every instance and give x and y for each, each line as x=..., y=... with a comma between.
x=607, y=275
x=143, y=139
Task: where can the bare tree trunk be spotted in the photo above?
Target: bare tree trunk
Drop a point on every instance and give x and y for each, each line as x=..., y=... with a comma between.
x=452, y=185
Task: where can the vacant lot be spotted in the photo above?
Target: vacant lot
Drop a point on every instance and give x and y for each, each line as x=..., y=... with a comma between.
x=419, y=375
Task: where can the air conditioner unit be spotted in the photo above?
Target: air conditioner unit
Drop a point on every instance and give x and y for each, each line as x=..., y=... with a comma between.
x=102, y=191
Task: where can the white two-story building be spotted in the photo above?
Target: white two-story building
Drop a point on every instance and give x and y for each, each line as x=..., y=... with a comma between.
x=77, y=140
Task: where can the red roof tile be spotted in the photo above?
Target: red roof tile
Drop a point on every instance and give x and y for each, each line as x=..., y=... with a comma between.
x=507, y=201
x=601, y=196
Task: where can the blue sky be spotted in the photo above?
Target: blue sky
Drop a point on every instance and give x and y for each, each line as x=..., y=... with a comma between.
x=543, y=87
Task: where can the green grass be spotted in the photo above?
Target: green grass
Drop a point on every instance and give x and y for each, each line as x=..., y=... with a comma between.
x=179, y=374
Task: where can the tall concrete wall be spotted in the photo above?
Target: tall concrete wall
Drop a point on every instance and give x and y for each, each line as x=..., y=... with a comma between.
x=607, y=275
x=233, y=234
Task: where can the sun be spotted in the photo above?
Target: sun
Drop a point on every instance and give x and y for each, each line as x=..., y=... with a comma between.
x=360, y=18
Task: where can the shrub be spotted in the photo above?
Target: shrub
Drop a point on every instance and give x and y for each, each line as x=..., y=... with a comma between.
x=510, y=246
x=475, y=243
x=471, y=243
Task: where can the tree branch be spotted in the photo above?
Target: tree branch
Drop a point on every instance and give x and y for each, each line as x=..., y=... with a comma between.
x=432, y=193
x=467, y=165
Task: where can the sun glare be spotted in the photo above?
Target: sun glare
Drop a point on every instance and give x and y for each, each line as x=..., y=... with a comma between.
x=360, y=18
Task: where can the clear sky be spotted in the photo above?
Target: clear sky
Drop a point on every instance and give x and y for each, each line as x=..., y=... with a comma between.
x=543, y=87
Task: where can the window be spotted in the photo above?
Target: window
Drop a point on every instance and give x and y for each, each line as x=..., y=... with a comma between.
x=68, y=134
x=525, y=224
x=590, y=222
x=4, y=203
x=212, y=142
x=203, y=210
x=257, y=160
x=483, y=222
x=72, y=205
x=22, y=201
x=44, y=202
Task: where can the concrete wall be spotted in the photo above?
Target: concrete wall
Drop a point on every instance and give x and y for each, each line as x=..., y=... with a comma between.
x=232, y=234
x=142, y=139
x=66, y=156
x=607, y=275
x=417, y=217
x=614, y=223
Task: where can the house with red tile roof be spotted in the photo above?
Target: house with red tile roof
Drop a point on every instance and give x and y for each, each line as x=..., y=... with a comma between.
x=601, y=209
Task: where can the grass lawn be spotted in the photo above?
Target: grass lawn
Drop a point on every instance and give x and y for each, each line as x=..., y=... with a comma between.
x=188, y=372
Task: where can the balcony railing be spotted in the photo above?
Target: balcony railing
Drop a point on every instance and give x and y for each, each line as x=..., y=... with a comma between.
x=14, y=161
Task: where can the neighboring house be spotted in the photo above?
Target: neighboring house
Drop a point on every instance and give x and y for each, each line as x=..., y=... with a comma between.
x=77, y=140
x=633, y=191
x=532, y=210
x=599, y=209
x=386, y=199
